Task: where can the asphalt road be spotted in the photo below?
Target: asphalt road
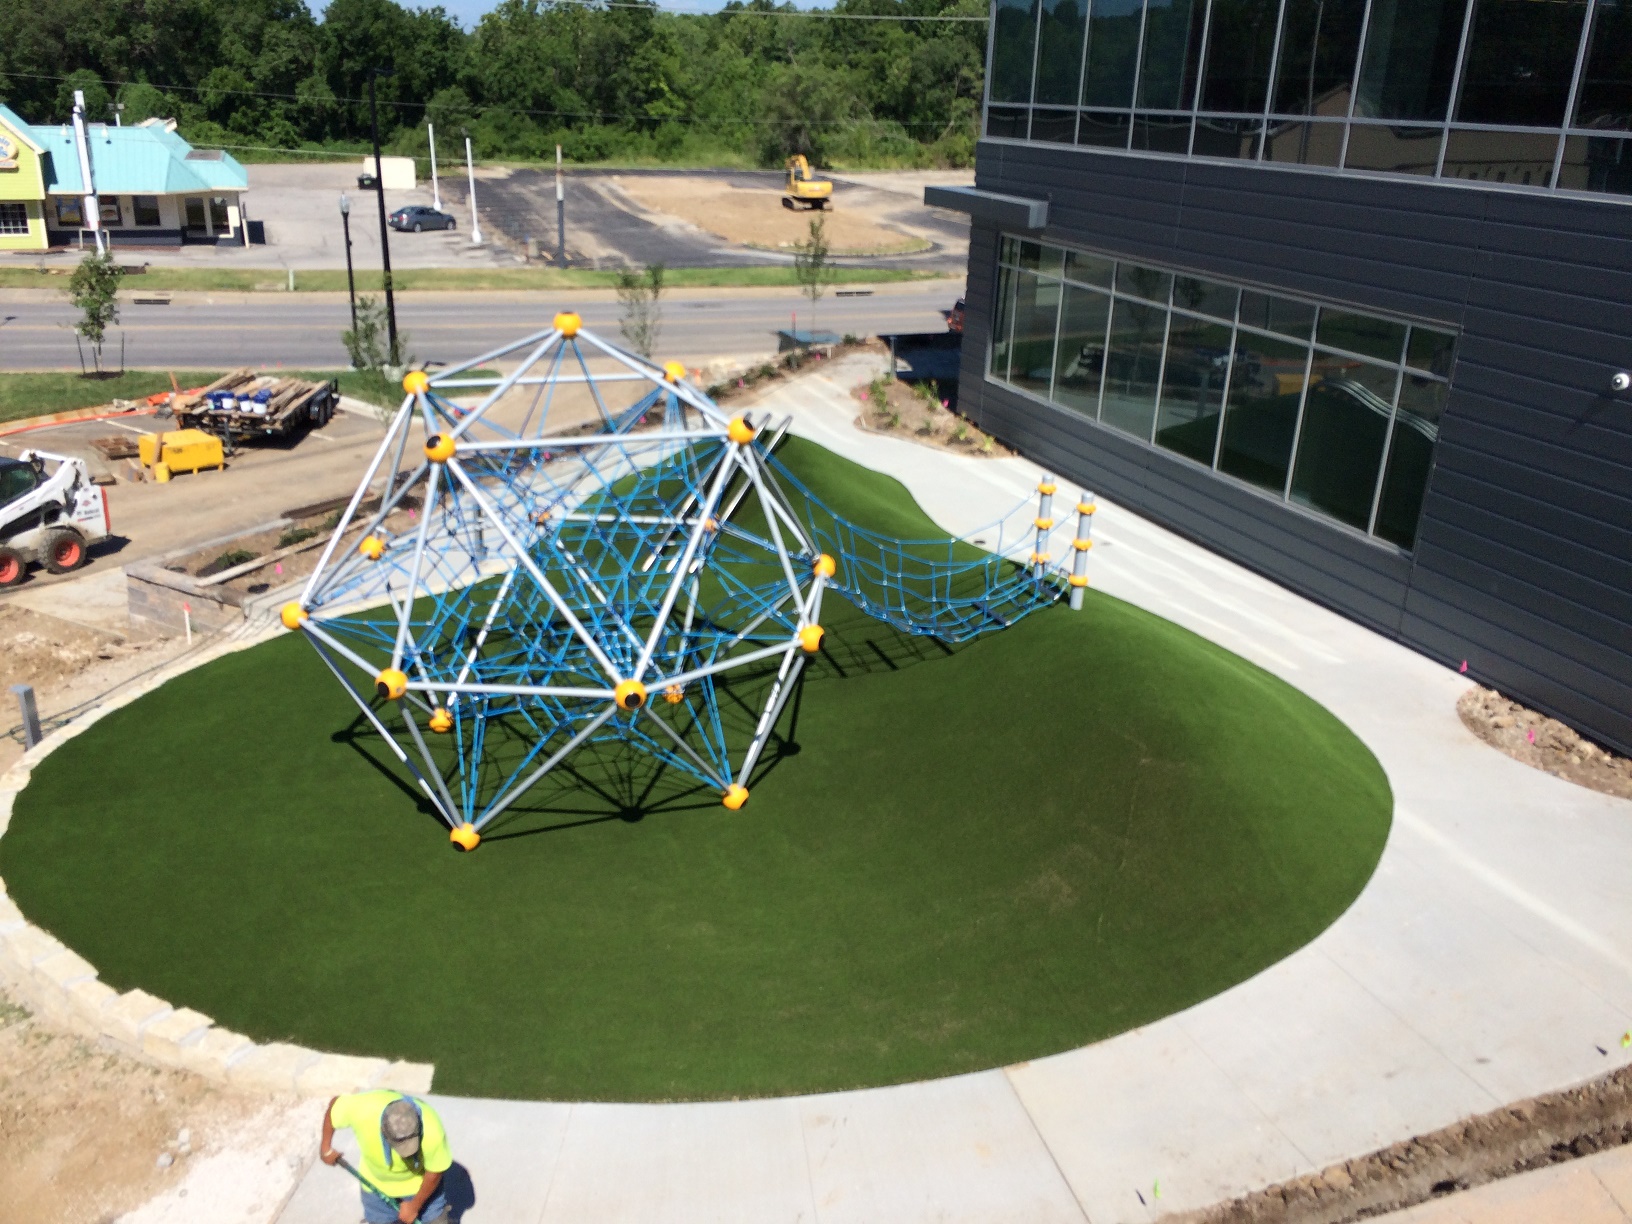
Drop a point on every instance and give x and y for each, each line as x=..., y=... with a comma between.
x=303, y=330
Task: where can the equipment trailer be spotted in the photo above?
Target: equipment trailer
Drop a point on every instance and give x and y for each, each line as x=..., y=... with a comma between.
x=244, y=406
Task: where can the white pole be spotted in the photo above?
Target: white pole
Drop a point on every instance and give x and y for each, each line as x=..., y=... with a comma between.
x=470, y=171
x=436, y=191
x=90, y=206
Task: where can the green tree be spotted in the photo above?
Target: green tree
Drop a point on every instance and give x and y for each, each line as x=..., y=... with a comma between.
x=811, y=267
x=94, y=291
x=366, y=343
x=641, y=321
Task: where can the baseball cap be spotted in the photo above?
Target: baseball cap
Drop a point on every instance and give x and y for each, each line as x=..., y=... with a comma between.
x=400, y=1125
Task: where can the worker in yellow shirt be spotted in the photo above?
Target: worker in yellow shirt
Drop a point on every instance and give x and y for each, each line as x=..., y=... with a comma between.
x=404, y=1154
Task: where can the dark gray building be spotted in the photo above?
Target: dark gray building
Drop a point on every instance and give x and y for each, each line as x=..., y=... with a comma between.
x=1340, y=289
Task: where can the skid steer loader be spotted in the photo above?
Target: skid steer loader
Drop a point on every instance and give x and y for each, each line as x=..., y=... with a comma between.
x=47, y=517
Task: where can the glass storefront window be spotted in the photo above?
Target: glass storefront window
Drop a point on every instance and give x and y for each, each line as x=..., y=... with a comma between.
x=1320, y=41
x=1332, y=409
x=1398, y=150
x=1519, y=61
x=1172, y=54
x=145, y=209
x=1079, y=361
x=1007, y=122
x=1313, y=143
x=1340, y=440
x=1113, y=53
x=1227, y=136
x=1409, y=60
x=1525, y=158
x=1605, y=96
x=1193, y=380
x=1059, y=52
x=1133, y=366
x=1054, y=126
x=1162, y=133
x=1107, y=129
x=1597, y=163
x=1014, y=43
x=1240, y=46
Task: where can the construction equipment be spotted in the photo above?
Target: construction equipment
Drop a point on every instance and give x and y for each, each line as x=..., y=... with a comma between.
x=804, y=190
x=47, y=518
x=243, y=406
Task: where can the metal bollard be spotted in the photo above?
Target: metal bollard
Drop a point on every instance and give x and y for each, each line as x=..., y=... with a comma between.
x=1044, y=523
x=31, y=714
x=1079, y=567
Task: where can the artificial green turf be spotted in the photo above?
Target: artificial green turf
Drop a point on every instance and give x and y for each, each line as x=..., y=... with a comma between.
x=952, y=860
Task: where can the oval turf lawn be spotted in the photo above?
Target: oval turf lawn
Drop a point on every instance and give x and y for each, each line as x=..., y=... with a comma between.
x=956, y=861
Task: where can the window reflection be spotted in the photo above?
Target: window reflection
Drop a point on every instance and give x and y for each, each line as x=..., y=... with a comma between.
x=1080, y=358
x=1222, y=136
x=1358, y=333
x=1306, y=144
x=1054, y=126
x=1088, y=269
x=1014, y=39
x=1261, y=414
x=1162, y=133
x=1597, y=163
x=1340, y=442
x=1410, y=456
x=1320, y=40
x=1605, y=97
x=1277, y=314
x=1132, y=367
x=1139, y=281
x=1006, y=122
x=1036, y=310
x=1103, y=128
x=1113, y=51
x=1002, y=323
x=1403, y=150
x=1059, y=51
x=1430, y=350
x=1525, y=158
x=1519, y=61
x=1205, y=297
x=1192, y=400
x=1410, y=58
x=1240, y=46
x=1167, y=76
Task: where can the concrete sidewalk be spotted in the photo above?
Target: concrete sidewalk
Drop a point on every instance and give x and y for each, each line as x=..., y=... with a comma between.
x=1489, y=959
x=1593, y=1190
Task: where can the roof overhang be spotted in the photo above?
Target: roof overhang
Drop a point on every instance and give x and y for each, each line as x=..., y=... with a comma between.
x=1004, y=211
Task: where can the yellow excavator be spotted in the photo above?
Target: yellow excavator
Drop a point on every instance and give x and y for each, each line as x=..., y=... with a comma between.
x=804, y=190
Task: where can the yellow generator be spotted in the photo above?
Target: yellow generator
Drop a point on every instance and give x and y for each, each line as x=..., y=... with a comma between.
x=181, y=450
x=803, y=189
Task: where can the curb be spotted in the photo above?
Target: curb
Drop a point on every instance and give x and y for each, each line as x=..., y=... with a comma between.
x=62, y=986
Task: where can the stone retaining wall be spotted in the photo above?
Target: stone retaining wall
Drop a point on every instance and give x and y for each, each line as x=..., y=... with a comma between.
x=61, y=986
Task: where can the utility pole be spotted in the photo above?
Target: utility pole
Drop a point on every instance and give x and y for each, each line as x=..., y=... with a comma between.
x=470, y=171
x=560, y=215
x=436, y=192
x=90, y=208
x=351, y=280
x=385, y=229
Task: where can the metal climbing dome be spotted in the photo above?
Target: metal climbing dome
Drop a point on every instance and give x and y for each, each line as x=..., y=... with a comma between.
x=577, y=559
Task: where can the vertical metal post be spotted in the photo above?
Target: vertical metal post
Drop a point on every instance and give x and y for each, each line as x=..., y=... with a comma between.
x=30, y=712
x=1083, y=542
x=351, y=278
x=1044, y=523
x=470, y=173
x=385, y=230
x=436, y=189
x=560, y=215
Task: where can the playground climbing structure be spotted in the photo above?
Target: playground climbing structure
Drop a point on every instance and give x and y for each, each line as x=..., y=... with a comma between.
x=586, y=550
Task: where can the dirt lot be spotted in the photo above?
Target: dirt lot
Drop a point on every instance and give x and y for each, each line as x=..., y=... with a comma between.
x=754, y=216
x=1543, y=743
x=90, y=1135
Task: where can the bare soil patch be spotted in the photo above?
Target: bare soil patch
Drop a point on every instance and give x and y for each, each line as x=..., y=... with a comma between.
x=1531, y=1134
x=754, y=216
x=916, y=412
x=1543, y=743
x=89, y=1134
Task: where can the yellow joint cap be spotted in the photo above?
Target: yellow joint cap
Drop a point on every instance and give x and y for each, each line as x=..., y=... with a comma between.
x=292, y=615
x=825, y=566
x=1079, y=580
x=1047, y=488
x=711, y=524
x=568, y=322
x=371, y=547
x=1086, y=507
x=674, y=694
x=739, y=431
x=439, y=448
x=1043, y=524
x=1082, y=545
x=416, y=382
x=441, y=721
x=465, y=837
x=1039, y=558
x=735, y=796
x=629, y=694
x=810, y=638
x=674, y=371
x=391, y=684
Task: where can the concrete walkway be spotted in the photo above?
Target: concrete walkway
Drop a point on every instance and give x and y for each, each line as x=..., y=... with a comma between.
x=1489, y=959
x=1594, y=1190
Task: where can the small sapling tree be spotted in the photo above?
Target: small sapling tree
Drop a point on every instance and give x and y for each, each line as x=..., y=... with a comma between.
x=94, y=291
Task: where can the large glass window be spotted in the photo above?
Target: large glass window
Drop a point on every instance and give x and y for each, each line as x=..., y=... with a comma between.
x=1014, y=45
x=1331, y=409
x=1059, y=51
x=1605, y=97
x=1320, y=40
x=1410, y=58
x=1519, y=61
x=1167, y=71
x=1240, y=46
x=1113, y=52
x=13, y=218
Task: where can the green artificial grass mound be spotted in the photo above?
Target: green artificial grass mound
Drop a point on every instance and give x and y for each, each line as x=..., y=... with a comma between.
x=952, y=860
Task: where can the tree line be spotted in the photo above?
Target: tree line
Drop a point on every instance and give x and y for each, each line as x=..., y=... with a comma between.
x=607, y=82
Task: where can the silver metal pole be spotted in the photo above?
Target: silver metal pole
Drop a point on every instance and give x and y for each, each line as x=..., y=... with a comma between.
x=1083, y=542
x=436, y=190
x=475, y=223
x=1044, y=522
x=30, y=713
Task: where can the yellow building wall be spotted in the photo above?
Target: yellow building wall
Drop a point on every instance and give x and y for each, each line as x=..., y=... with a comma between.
x=25, y=184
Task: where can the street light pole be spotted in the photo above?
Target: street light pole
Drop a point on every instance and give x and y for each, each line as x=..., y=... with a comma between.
x=436, y=191
x=351, y=279
x=385, y=229
x=470, y=172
